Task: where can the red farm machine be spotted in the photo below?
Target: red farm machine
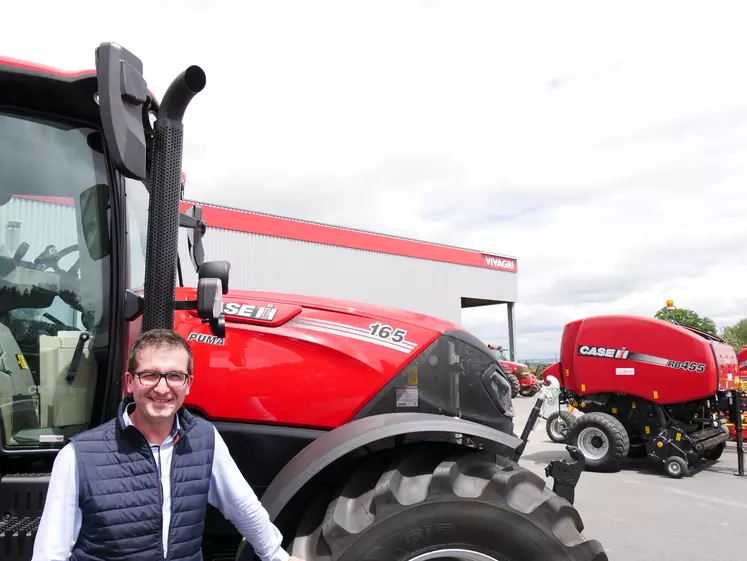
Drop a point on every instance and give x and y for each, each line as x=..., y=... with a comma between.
x=645, y=388
x=363, y=430
x=522, y=381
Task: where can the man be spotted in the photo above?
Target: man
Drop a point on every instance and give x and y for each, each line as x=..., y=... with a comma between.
x=137, y=487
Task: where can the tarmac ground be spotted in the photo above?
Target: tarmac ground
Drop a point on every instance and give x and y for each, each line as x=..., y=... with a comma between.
x=642, y=514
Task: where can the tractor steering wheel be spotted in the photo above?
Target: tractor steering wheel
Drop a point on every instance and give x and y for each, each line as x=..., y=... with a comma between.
x=50, y=257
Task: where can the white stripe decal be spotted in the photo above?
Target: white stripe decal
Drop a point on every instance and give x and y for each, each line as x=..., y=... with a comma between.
x=354, y=330
x=332, y=330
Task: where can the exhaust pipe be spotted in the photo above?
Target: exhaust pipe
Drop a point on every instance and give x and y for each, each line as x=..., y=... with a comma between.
x=162, y=248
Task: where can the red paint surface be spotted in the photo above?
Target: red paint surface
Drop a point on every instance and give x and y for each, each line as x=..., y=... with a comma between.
x=290, y=375
x=35, y=67
x=588, y=375
x=245, y=221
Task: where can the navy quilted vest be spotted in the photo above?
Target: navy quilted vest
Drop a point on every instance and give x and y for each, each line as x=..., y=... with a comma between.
x=120, y=492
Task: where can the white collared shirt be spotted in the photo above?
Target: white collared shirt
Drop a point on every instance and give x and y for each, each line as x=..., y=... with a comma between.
x=229, y=492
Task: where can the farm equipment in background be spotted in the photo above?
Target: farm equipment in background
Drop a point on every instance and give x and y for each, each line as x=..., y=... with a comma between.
x=362, y=429
x=523, y=382
x=645, y=388
x=730, y=406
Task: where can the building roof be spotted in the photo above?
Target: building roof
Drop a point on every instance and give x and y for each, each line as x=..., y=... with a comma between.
x=258, y=223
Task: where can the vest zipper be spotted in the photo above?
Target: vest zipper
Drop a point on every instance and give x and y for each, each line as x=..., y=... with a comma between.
x=177, y=440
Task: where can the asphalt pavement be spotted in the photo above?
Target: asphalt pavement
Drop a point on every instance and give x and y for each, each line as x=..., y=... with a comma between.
x=642, y=514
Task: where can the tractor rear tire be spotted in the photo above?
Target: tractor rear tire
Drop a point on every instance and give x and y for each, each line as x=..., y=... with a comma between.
x=601, y=439
x=515, y=386
x=558, y=423
x=434, y=498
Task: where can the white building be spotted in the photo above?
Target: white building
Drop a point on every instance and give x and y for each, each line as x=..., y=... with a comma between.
x=273, y=253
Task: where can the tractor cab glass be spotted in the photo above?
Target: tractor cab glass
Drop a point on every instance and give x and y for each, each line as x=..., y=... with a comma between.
x=54, y=278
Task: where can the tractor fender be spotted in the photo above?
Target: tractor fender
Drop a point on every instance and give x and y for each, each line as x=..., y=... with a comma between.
x=335, y=444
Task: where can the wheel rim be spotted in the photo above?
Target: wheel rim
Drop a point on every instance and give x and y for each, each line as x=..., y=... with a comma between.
x=461, y=554
x=593, y=443
x=675, y=468
x=555, y=427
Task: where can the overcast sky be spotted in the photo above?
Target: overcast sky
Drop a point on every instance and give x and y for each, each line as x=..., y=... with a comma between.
x=605, y=148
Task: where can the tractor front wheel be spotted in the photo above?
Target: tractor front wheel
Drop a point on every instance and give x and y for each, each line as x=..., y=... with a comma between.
x=432, y=501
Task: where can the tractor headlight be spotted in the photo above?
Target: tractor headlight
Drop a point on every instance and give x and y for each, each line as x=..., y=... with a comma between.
x=499, y=390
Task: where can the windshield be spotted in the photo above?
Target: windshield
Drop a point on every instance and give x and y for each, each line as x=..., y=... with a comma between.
x=54, y=278
x=498, y=354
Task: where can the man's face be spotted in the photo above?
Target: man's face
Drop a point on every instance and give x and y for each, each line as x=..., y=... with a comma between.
x=160, y=402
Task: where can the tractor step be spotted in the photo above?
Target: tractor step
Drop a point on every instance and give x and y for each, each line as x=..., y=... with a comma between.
x=22, y=499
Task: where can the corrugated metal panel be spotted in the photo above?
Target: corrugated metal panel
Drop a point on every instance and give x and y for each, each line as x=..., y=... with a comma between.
x=40, y=224
x=283, y=265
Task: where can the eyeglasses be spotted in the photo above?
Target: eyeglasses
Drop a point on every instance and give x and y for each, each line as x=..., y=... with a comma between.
x=152, y=379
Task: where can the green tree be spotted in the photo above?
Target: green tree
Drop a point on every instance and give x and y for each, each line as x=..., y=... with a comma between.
x=683, y=316
x=736, y=335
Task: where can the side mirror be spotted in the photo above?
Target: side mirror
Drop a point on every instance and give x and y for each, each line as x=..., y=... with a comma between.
x=192, y=220
x=94, y=206
x=210, y=304
x=122, y=94
x=219, y=270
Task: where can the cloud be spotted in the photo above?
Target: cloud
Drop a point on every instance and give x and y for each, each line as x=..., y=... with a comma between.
x=605, y=147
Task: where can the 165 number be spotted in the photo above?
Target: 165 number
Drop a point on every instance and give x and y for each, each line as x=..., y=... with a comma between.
x=387, y=332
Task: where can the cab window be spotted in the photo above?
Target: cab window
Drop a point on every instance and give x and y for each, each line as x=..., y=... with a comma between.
x=54, y=278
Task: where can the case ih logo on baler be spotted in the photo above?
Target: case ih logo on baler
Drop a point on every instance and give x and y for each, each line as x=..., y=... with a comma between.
x=625, y=354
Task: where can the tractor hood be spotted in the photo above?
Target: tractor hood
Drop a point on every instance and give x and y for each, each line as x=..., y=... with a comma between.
x=273, y=309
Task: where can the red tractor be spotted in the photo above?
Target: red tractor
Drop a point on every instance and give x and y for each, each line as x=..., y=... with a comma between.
x=366, y=431
x=646, y=388
x=522, y=381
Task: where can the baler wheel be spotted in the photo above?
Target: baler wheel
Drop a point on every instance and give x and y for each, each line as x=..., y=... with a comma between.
x=434, y=501
x=676, y=467
x=515, y=386
x=558, y=423
x=602, y=439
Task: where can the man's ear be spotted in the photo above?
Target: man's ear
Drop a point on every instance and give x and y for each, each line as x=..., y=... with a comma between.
x=129, y=380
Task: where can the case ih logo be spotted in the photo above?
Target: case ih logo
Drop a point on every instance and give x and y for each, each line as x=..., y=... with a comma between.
x=266, y=312
x=501, y=263
x=586, y=350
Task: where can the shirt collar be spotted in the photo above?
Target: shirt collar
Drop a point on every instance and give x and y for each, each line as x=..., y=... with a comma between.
x=128, y=422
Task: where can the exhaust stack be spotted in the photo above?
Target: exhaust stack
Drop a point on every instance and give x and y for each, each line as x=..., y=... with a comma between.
x=163, y=213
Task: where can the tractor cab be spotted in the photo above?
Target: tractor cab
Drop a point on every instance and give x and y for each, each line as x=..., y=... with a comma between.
x=77, y=193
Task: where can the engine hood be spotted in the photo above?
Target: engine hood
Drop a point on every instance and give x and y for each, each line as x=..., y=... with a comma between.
x=273, y=309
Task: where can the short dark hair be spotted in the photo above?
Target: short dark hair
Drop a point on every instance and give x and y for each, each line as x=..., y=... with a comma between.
x=159, y=339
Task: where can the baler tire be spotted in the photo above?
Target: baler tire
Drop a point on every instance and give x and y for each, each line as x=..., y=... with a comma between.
x=614, y=431
x=676, y=467
x=433, y=497
x=567, y=418
x=515, y=386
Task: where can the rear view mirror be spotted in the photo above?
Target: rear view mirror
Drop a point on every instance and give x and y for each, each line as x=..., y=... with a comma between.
x=94, y=208
x=216, y=270
x=122, y=94
x=210, y=305
x=192, y=219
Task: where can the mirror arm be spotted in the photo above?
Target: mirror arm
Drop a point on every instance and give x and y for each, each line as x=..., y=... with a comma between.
x=187, y=221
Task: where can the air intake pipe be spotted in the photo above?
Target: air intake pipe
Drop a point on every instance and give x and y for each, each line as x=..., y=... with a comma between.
x=165, y=195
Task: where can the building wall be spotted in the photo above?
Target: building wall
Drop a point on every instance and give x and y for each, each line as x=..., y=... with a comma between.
x=275, y=264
